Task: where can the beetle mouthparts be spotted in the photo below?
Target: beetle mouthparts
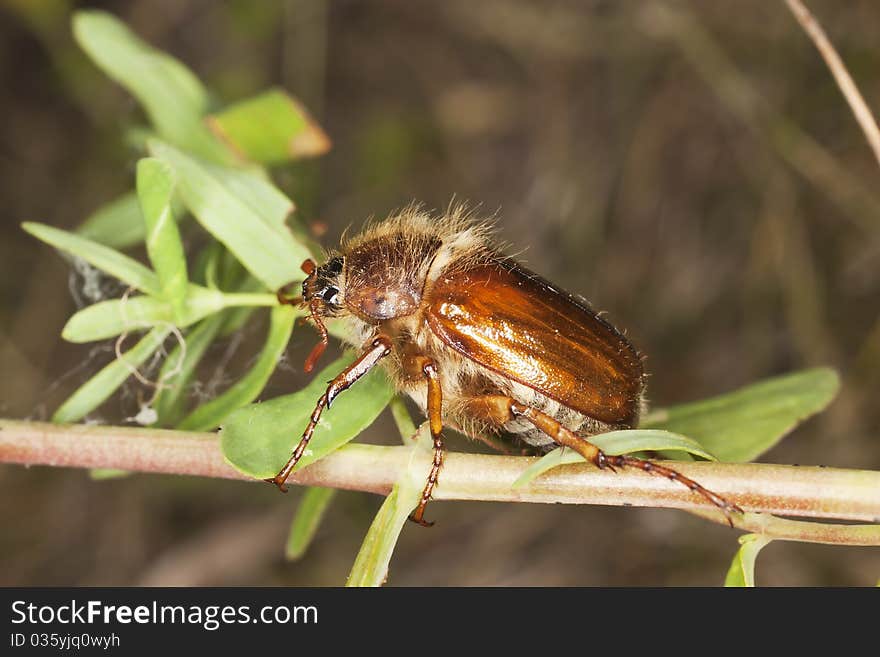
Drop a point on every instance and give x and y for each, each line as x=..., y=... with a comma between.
x=319, y=348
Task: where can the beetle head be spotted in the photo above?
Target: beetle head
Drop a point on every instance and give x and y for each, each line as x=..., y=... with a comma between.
x=320, y=292
x=320, y=289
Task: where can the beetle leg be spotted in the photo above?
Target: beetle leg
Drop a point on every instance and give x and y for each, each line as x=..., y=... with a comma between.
x=435, y=421
x=501, y=409
x=378, y=349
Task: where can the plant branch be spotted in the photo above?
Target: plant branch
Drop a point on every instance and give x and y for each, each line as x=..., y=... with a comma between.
x=812, y=492
x=844, y=80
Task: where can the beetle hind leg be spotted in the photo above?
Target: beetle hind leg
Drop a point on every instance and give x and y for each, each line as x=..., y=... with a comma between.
x=500, y=409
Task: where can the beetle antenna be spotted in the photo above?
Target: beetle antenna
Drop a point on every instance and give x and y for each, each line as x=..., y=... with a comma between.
x=319, y=348
x=308, y=266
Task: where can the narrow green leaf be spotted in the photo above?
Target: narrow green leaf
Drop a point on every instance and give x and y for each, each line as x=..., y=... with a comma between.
x=311, y=510
x=106, y=259
x=258, y=439
x=98, y=389
x=270, y=128
x=238, y=317
x=172, y=96
x=245, y=390
x=267, y=249
x=252, y=186
x=371, y=564
x=742, y=568
x=155, y=187
x=176, y=374
x=206, y=263
x=232, y=276
x=110, y=318
x=742, y=425
x=615, y=442
x=405, y=425
x=118, y=224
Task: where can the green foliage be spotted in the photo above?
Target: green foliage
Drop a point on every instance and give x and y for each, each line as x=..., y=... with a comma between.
x=258, y=439
x=107, y=319
x=199, y=170
x=172, y=96
x=116, y=264
x=371, y=564
x=259, y=241
x=180, y=368
x=155, y=185
x=742, y=425
x=742, y=568
x=270, y=128
x=103, y=384
x=311, y=510
x=615, y=442
x=246, y=389
x=116, y=224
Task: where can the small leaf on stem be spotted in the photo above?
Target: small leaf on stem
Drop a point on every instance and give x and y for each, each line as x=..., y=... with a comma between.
x=742, y=568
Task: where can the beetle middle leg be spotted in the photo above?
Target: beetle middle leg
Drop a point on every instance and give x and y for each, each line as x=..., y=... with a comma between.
x=377, y=350
x=500, y=409
x=420, y=367
x=427, y=369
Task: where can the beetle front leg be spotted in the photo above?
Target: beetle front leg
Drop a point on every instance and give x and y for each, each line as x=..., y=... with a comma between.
x=500, y=410
x=378, y=349
x=435, y=420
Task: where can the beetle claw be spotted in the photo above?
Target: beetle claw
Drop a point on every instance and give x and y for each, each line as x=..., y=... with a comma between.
x=603, y=463
x=414, y=517
x=279, y=483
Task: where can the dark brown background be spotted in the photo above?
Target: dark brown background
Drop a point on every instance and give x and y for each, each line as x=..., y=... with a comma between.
x=689, y=167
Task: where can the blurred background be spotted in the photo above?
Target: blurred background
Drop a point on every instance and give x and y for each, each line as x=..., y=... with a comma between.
x=691, y=168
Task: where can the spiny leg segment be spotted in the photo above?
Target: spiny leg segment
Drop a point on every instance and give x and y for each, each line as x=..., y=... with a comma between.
x=377, y=350
x=435, y=421
x=501, y=409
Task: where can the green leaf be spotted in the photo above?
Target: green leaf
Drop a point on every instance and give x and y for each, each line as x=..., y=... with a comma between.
x=265, y=247
x=371, y=564
x=172, y=96
x=258, y=439
x=405, y=425
x=118, y=224
x=245, y=390
x=270, y=128
x=742, y=425
x=252, y=186
x=106, y=259
x=110, y=318
x=155, y=187
x=171, y=398
x=614, y=442
x=742, y=568
x=98, y=389
x=311, y=510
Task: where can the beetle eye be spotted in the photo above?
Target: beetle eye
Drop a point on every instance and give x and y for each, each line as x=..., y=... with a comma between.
x=331, y=296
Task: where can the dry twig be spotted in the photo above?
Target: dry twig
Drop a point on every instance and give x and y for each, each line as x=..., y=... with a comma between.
x=841, y=74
